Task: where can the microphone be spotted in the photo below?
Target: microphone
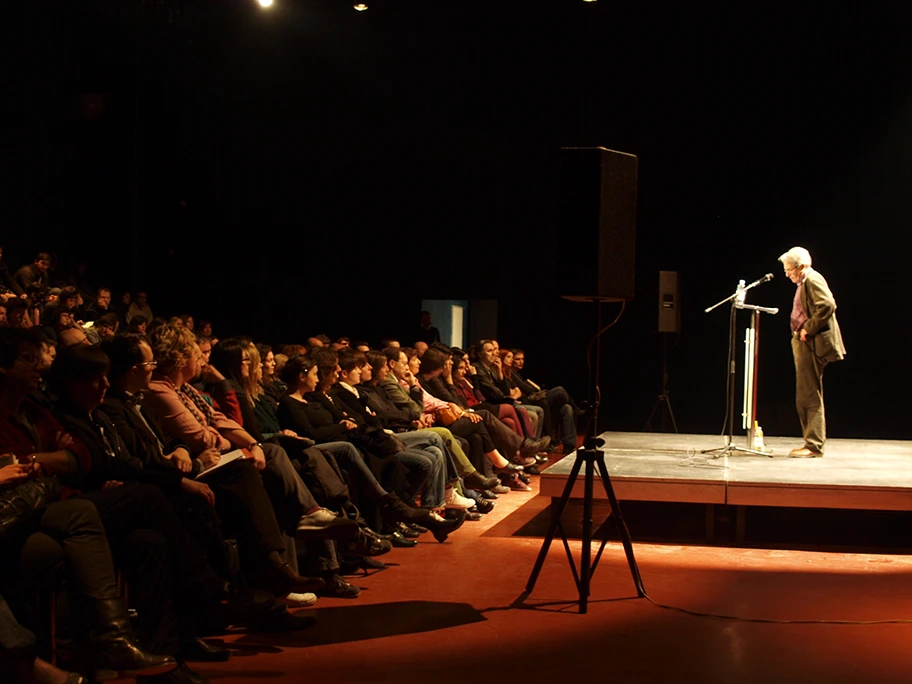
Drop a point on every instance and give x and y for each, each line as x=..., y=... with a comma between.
x=765, y=279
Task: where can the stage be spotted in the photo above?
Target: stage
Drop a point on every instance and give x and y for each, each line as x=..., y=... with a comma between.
x=854, y=473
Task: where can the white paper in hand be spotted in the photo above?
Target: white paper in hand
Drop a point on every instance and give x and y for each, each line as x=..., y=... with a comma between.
x=225, y=459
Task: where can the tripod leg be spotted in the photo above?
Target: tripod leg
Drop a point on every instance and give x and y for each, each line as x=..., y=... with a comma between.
x=586, y=552
x=621, y=524
x=556, y=513
x=674, y=423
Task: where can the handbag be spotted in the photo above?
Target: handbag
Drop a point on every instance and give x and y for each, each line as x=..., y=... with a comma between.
x=537, y=396
x=21, y=506
x=447, y=416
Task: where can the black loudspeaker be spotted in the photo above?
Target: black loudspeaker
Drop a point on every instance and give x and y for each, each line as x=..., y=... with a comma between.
x=598, y=197
x=669, y=311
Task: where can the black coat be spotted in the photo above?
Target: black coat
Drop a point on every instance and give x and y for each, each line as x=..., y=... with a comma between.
x=147, y=441
x=111, y=460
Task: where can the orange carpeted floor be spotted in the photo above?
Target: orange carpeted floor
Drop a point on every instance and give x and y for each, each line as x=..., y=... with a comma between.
x=441, y=614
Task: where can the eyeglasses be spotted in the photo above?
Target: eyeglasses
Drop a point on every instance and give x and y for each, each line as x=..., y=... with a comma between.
x=148, y=364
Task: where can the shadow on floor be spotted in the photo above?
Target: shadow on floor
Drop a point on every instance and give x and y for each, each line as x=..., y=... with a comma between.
x=361, y=622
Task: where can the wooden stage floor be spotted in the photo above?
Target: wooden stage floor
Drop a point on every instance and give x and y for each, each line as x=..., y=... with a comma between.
x=853, y=474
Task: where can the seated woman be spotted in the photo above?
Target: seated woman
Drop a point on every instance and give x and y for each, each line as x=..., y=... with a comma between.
x=553, y=401
x=184, y=414
x=44, y=449
x=345, y=396
x=298, y=412
x=403, y=421
x=468, y=424
x=467, y=396
x=270, y=382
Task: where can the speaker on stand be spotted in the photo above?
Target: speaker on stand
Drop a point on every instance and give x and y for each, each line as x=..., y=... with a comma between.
x=669, y=324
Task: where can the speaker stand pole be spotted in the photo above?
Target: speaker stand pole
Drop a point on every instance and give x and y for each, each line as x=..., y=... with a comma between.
x=664, y=400
x=593, y=458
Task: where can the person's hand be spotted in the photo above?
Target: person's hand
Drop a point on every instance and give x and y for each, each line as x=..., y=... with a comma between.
x=14, y=474
x=474, y=417
x=515, y=393
x=409, y=378
x=198, y=489
x=64, y=440
x=498, y=362
x=472, y=370
x=209, y=458
x=111, y=484
x=210, y=373
x=180, y=457
x=259, y=458
x=803, y=335
x=289, y=433
x=349, y=425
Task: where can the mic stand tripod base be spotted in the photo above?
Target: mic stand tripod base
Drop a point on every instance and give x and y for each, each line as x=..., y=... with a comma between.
x=729, y=448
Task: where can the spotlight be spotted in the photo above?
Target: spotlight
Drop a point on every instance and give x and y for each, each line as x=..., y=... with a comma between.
x=360, y=7
x=265, y=3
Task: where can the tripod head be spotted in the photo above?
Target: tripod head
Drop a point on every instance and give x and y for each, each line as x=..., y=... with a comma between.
x=593, y=443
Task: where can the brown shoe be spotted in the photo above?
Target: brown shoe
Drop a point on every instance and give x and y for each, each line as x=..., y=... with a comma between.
x=804, y=452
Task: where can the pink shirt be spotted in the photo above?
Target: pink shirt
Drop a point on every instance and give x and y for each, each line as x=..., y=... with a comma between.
x=191, y=427
x=431, y=403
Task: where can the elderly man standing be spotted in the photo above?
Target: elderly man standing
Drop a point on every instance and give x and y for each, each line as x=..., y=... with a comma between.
x=816, y=341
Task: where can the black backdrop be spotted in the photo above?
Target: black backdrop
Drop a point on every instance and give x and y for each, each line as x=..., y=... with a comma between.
x=273, y=170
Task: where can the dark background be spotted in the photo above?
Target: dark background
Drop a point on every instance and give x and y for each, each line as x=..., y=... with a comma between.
x=316, y=169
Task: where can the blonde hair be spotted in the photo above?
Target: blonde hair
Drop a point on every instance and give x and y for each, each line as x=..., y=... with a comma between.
x=252, y=382
x=172, y=346
x=281, y=360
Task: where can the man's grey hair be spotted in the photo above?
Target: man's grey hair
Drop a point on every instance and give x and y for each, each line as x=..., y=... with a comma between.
x=796, y=257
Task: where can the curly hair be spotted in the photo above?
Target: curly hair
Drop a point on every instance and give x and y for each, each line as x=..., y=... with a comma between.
x=172, y=346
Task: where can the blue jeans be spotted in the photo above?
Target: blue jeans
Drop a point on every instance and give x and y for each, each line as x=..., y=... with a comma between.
x=558, y=399
x=442, y=470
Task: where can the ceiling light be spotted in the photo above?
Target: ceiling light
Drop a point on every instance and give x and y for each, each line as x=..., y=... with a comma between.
x=360, y=7
x=265, y=3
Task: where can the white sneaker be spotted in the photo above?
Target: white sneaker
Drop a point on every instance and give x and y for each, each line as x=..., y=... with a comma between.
x=456, y=500
x=295, y=600
x=319, y=518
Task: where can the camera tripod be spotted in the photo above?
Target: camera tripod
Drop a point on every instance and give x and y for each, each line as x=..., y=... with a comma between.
x=593, y=458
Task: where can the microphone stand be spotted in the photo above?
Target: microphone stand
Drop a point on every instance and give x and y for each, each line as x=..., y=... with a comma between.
x=737, y=299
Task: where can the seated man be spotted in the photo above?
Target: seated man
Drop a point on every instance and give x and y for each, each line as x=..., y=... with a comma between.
x=35, y=273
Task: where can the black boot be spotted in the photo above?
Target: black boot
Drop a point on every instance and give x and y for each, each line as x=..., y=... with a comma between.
x=441, y=529
x=117, y=650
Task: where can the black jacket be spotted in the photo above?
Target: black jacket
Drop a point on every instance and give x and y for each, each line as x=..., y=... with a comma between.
x=146, y=442
x=110, y=458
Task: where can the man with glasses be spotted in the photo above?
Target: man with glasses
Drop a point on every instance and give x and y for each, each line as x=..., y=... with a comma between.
x=816, y=341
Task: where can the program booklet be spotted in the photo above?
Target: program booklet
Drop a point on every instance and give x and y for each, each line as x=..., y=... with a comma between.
x=230, y=457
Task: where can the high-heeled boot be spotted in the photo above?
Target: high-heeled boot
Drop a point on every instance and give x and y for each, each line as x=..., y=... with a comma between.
x=116, y=647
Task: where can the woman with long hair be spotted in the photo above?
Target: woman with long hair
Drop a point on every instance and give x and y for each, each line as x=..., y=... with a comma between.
x=305, y=413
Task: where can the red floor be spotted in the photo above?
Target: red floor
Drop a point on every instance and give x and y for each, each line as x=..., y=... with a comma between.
x=442, y=614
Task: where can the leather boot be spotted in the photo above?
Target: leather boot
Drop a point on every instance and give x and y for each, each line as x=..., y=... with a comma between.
x=442, y=527
x=117, y=650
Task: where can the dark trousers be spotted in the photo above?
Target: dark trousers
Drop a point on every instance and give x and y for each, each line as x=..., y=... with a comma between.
x=290, y=497
x=246, y=511
x=809, y=393
x=170, y=579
